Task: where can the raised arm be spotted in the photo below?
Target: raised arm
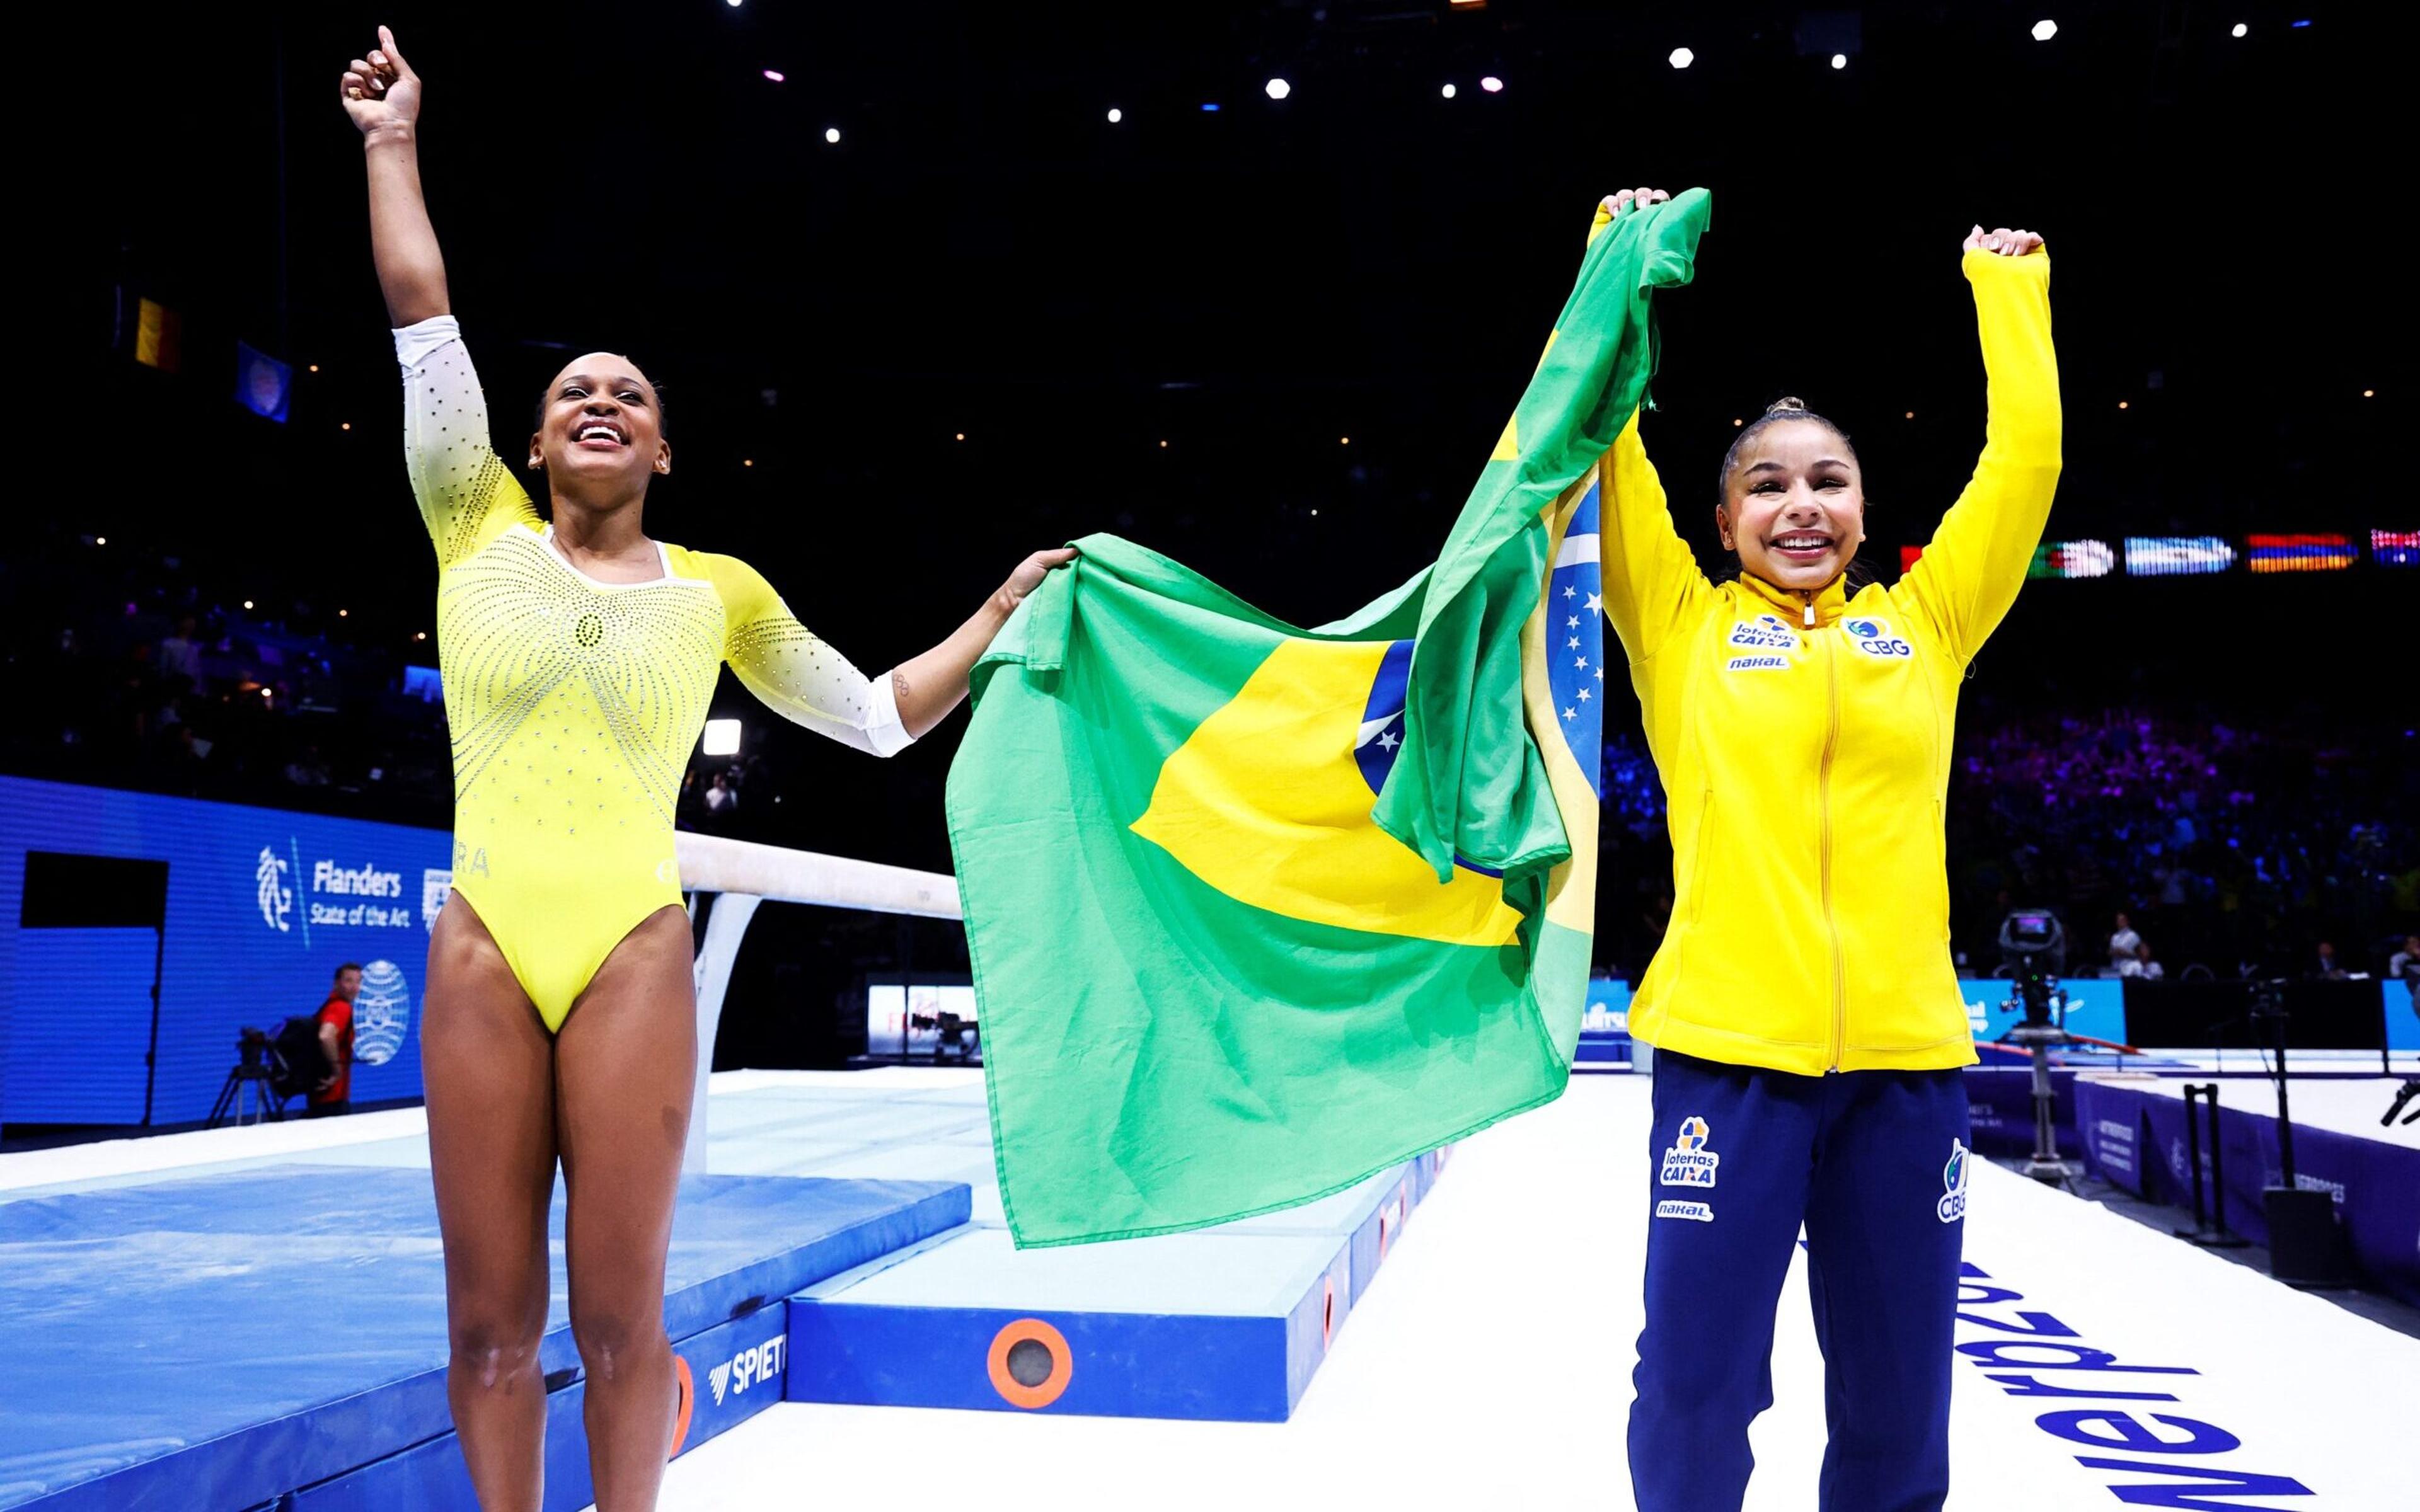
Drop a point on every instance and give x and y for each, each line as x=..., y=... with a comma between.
x=805, y=681
x=1970, y=572
x=1652, y=579
x=381, y=93
x=466, y=493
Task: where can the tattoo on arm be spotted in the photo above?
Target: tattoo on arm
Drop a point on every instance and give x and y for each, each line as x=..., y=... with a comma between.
x=900, y=690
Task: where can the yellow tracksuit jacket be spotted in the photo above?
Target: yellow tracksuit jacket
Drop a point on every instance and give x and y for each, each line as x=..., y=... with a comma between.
x=1803, y=743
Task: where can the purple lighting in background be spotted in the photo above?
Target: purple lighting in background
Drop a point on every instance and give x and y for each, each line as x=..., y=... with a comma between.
x=774, y=75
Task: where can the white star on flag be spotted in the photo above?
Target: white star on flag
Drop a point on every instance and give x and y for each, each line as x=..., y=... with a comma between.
x=1388, y=741
x=1579, y=661
x=1570, y=715
x=1584, y=695
x=1574, y=644
x=1572, y=592
x=1595, y=604
x=1599, y=674
x=1572, y=623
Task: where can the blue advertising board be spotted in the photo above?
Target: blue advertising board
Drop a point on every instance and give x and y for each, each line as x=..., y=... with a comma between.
x=262, y=906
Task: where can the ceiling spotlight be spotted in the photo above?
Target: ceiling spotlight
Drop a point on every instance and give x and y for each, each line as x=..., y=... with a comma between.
x=1277, y=88
x=2045, y=30
x=1116, y=115
x=1840, y=60
x=100, y=540
x=774, y=75
x=2240, y=30
x=1449, y=91
x=831, y=134
x=732, y=3
x=1682, y=57
x=247, y=603
x=1493, y=84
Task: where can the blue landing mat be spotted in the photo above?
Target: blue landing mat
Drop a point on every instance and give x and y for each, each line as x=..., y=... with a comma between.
x=1227, y=1323
x=216, y=1342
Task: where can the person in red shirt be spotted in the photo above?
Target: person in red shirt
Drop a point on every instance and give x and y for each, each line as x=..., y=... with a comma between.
x=334, y=1095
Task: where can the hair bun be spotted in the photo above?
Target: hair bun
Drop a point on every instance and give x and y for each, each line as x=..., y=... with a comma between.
x=1786, y=404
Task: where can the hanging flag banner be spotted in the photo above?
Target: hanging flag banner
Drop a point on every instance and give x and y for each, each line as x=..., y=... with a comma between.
x=262, y=383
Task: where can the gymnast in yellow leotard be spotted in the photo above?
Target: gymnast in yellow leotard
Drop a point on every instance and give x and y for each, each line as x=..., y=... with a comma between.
x=575, y=703
x=579, y=657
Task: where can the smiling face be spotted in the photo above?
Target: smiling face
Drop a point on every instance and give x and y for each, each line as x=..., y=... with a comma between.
x=1793, y=506
x=600, y=426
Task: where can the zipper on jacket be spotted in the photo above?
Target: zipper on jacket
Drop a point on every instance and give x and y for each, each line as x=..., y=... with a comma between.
x=1831, y=925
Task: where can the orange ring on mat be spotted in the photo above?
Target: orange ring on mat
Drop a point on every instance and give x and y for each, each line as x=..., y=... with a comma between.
x=1047, y=1390
x=688, y=1404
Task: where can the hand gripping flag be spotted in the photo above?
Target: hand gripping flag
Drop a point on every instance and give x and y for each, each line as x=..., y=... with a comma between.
x=1255, y=911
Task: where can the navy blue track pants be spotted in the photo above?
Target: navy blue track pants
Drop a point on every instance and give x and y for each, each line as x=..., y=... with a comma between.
x=1874, y=1164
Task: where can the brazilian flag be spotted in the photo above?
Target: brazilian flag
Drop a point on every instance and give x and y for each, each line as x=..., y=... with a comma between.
x=1257, y=910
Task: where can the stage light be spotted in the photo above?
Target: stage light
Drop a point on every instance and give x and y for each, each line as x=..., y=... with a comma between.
x=1210, y=107
x=1682, y=57
x=2300, y=25
x=2121, y=404
x=746, y=461
x=722, y=738
x=315, y=367
x=420, y=634
x=344, y=613
x=344, y=424
x=247, y=603
x=2396, y=549
x=1449, y=91
x=1840, y=60
x=1737, y=422
x=832, y=135
x=732, y=3
x=962, y=435
x=1116, y=115
x=1493, y=84
x=1163, y=446
x=100, y=540
x=1344, y=440
x=774, y=75
x=1277, y=89
x=2045, y=30
x=2240, y=29
x=1910, y=414
x=2369, y=394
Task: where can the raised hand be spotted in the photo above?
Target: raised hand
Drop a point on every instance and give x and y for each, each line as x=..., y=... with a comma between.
x=1616, y=203
x=1030, y=572
x=381, y=91
x=2004, y=242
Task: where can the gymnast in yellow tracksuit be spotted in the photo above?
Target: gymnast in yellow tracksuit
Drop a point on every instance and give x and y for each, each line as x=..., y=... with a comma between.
x=1805, y=1014
x=578, y=657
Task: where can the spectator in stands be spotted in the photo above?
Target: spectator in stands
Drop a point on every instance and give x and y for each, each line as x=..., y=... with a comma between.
x=2143, y=966
x=180, y=657
x=721, y=797
x=2123, y=946
x=307, y=770
x=2327, y=968
x=335, y=1096
x=2405, y=967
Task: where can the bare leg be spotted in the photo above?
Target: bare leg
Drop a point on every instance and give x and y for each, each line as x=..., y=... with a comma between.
x=490, y=1068
x=623, y=1066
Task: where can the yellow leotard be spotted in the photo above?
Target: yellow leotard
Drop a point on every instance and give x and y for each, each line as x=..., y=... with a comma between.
x=574, y=704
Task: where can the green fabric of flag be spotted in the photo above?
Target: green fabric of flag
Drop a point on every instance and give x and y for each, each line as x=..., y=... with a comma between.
x=1257, y=910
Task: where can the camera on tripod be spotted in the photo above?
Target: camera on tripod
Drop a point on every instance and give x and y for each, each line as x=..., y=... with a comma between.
x=2033, y=952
